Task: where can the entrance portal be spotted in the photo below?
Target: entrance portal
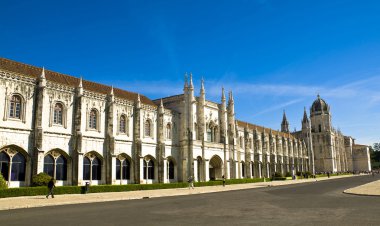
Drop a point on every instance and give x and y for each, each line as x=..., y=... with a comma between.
x=215, y=168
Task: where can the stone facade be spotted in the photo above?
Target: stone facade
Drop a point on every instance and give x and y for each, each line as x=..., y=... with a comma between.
x=331, y=150
x=79, y=131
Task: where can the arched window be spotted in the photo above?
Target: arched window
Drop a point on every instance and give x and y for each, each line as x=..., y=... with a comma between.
x=18, y=167
x=86, y=168
x=122, y=124
x=209, y=134
x=93, y=119
x=96, y=169
x=122, y=169
x=149, y=168
x=126, y=169
x=49, y=165
x=4, y=164
x=168, y=131
x=171, y=169
x=58, y=114
x=147, y=128
x=58, y=165
x=61, y=168
x=15, y=107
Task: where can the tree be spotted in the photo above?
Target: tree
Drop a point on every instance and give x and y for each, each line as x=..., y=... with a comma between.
x=375, y=155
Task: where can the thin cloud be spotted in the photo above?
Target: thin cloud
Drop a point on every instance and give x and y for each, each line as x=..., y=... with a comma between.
x=279, y=106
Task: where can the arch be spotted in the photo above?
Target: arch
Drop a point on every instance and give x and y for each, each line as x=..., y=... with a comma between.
x=123, y=167
x=92, y=166
x=171, y=168
x=215, y=167
x=149, y=167
x=18, y=166
x=93, y=119
x=57, y=164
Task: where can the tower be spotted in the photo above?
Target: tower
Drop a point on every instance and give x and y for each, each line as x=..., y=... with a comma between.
x=323, y=136
x=284, y=124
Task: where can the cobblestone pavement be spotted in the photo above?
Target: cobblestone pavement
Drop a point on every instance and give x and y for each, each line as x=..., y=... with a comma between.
x=40, y=201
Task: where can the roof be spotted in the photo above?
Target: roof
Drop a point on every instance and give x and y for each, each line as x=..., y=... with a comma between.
x=34, y=72
x=263, y=129
x=319, y=104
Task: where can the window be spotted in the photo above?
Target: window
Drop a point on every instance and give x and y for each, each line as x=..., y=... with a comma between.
x=18, y=167
x=320, y=128
x=93, y=119
x=168, y=131
x=92, y=169
x=49, y=165
x=58, y=112
x=243, y=169
x=122, y=169
x=96, y=169
x=56, y=168
x=209, y=135
x=149, y=168
x=15, y=107
x=86, y=168
x=122, y=125
x=4, y=164
x=61, y=168
x=171, y=169
x=147, y=128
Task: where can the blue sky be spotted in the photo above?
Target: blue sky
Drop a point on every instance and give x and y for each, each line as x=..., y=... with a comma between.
x=274, y=55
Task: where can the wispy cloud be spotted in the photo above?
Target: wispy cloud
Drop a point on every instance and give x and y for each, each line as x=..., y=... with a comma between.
x=279, y=106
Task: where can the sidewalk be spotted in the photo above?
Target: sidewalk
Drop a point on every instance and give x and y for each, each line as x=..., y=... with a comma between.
x=40, y=201
x=370, y=189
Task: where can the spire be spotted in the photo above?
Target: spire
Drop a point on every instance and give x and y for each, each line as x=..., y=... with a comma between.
x=138, y=101
x=112, y=96
x=285, y=123
x=305, y=118
x=202, y=86
x=223, y=96
x=42, y=78
x=161, y=107
x=231, y=98
x=111, y=92
x=80, y=83
x=80, y=87
x=191, y=86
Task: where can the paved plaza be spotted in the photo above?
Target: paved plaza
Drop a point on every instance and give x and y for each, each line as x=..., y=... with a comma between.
x=300, y=202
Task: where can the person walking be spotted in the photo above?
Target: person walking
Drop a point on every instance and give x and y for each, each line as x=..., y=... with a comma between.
x=224, y=181
x=51, y=186
x=191, y=182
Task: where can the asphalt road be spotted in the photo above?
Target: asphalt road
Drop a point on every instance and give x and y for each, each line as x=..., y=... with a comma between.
x=319, y=203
